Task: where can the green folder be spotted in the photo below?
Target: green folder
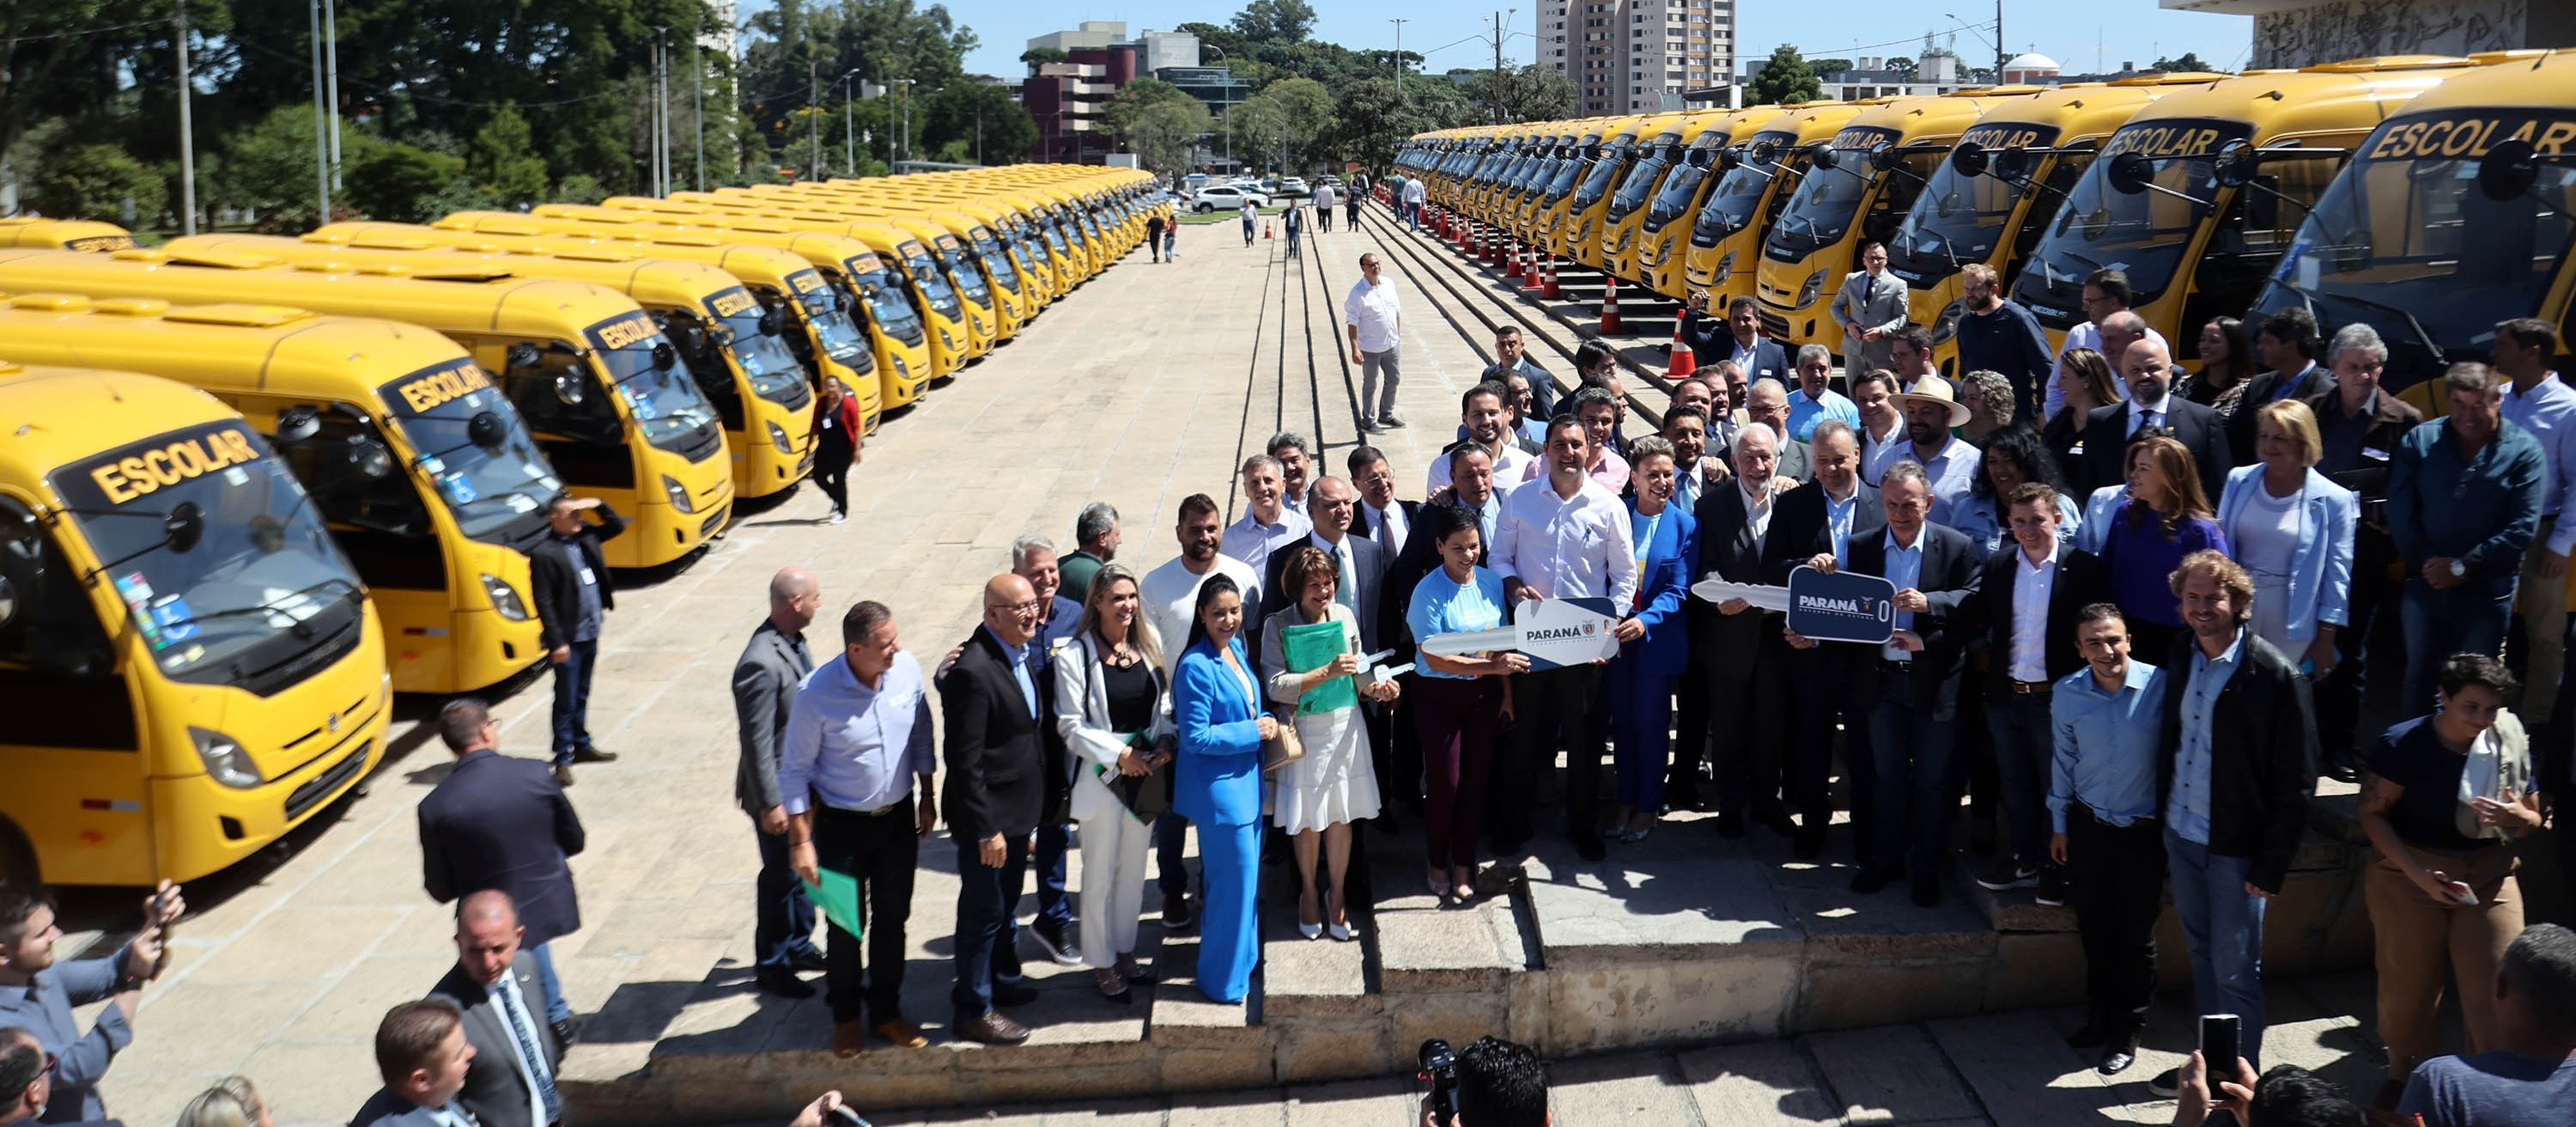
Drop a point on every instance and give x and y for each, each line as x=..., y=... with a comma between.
x=838, y=897
x=1312, y=647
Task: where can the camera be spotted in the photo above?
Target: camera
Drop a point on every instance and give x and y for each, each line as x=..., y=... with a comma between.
x=1440, y=1070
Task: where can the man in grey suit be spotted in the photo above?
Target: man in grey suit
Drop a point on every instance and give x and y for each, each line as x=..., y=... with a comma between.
x=1767, y=404
x=773, y=663
x=1870, y=307
x=423, y=1056
x=510, y=1081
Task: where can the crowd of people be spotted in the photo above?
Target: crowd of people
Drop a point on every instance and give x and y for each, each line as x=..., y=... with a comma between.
x=2132, y=622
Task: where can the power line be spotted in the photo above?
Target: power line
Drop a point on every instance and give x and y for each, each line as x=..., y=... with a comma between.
x=87, y=31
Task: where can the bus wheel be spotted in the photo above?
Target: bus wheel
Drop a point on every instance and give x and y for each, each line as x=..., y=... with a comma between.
x=18, y=867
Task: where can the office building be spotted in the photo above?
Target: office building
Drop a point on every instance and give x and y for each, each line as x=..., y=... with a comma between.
x=1636, y=56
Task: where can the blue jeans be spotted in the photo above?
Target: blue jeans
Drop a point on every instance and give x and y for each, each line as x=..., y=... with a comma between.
x=572, y=700
x=785, y=927
x=1911, y=746
x=2024, y=745
x=987, y=936
x=2470, y=618
x=556, y=1008
x=2223, y=926
x=1055, y=909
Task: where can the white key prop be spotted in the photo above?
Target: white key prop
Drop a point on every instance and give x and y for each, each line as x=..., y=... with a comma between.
x=1551, y=632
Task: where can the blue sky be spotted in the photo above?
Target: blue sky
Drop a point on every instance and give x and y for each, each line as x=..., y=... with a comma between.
x=2073, y=34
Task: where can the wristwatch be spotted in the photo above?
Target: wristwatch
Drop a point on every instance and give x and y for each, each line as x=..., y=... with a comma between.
x=2459, y=569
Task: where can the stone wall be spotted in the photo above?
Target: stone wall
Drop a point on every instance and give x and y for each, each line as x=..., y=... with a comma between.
x=2347, y=29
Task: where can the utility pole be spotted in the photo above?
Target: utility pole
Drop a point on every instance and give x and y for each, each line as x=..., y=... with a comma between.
x=331, y=57
x=698, y=95
x=1399, y=58
x=187, y=134
x=662, y=99
x=321, y=114
x=849, y=125
x=1494, y=91
x=1999, y=40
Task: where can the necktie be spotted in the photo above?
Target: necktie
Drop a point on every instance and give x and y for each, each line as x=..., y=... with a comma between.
x=537, y=1070
x=1345, y=586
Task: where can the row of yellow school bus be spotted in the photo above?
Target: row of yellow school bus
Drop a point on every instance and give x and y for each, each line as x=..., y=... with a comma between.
x=2429, y=196
x=250, y=487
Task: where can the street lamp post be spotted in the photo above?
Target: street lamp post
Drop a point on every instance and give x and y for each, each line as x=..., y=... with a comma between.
x=849, y=126
x=1399, y=58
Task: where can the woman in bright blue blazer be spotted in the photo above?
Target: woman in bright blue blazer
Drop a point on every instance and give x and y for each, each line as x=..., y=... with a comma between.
x=1654, y=639
x=2292, y=528
x=1216, y=701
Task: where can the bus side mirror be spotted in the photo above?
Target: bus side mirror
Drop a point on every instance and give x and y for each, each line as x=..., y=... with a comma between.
x=1673, y=152
x=2129, y=173
x=664, y=356
x=1882, y=156
x=487, y=429
x=521, y=357
x=772, y=321
x=1763, y=152
x=2013, y=163
x=1969, y=159
x=184, y=526
x=297, y=424
x=2508, y=170
x=1728, y=160
x=569, y=390
x=2234, y=164
x=1822, y=155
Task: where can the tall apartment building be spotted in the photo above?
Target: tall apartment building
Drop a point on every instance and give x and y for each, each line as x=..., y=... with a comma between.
x=1628, y=56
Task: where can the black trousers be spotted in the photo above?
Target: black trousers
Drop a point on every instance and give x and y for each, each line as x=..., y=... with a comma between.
x=988, y=898
x=882, y=851
x=1747, y=742
x=832, y=473
x=2338, y=696
x=1401, y=782
x=1545, y=704
x=1823, y=694
x=2117, y=878
x=1690, y=735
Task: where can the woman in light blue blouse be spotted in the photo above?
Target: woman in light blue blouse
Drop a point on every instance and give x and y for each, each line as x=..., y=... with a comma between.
x=1216, y=701
x=2292, y=528
x=1459, y=702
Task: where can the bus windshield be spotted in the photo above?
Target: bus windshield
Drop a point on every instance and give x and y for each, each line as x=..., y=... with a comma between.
x=1823, y=206
x=764, y=357
x=969, y=278
x=2144, y=232
x=1568, y=171
x=1596, y=182
x=1682, y=186
x=886, y=300
x=666, y=403
x=1733, y=204
x=487, y=488
x=1957, y=220
x=2408, y=242
x=934, y=285
x=1644, y=178
x=827, y=310
x=997, y=262
x=211, y=545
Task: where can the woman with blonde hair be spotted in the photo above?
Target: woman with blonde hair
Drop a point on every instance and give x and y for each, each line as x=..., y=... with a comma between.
x=232, y=1102
x=1113, y=708
x=2162, y=518
x=1988, y=396
x=2292, y=528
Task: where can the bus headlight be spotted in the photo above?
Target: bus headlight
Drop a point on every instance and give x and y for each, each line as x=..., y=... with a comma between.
x=1807, y=293
x=678, y=494
x=1946, y=325
x=505, y=599
x=1725, y=269
x=225, y=759
x=778, y=438
x=902, y=371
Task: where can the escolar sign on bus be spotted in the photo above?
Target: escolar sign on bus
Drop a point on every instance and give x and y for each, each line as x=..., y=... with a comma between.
x=2175, y=138
x=623, y=332
x=421, y=391
x=155, y=464
x=2471, y=135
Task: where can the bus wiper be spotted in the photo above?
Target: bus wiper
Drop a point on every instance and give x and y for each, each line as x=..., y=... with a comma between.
x=272, y=606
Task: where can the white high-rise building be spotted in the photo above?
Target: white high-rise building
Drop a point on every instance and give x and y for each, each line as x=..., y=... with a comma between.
x=1637, y=56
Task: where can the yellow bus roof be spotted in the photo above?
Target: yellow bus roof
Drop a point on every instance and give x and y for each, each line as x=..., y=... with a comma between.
x=237, y=347
x=2541, y=78
x=649, y=279
x=63, y=234
x=2348, y=97
x=62, y=416
x=470, y=298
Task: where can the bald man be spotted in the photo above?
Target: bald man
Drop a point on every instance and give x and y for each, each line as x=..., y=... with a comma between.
x=990, y=706
x=773, y=663
x=511, y=1080
x=2148, y=369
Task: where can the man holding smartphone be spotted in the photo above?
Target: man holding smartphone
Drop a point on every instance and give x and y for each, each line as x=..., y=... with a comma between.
x=37, y=993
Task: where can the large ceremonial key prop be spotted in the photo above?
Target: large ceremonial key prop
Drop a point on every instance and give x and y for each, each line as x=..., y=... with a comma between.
x=1837, y=606
x=1551, y=632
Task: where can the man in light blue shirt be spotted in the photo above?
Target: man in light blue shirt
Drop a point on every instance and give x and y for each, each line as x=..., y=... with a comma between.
x=2109, y=723
x=1931, y=412
x=1267, y=522
x=857, y=750
x=1812, y=401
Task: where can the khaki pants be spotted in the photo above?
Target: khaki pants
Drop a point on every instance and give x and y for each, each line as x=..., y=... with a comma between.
x=2542, y=605
x=2419, y=938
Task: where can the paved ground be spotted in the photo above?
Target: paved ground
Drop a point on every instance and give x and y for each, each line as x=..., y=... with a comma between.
x=1147, y=385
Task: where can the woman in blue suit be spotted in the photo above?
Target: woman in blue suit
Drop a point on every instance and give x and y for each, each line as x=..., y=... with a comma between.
x=2292, y=528
x=1216, y=701
x=1654, y=641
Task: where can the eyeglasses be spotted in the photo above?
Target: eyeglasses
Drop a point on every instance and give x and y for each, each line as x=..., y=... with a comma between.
x=1030, y=607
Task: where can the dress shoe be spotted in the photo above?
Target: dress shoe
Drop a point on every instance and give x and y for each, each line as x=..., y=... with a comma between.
x=808, y=960
x=1810, y=842
x=783, y=983
x=1777, y=817
x=2052, y=887
x=1927, y=890
x=2091, y=1036
x=1870, y=879
x=2343, y=772
x=1013, y=994
x=902, y=1034
x=1587, y=844
x=1176, y=911
x=992, y=1029
x=563, y=774
x=849, y=1039
x=594, y=755
x=1059, y=947
x=1113, y=986
x=1730, y=825
x=2118, y=1056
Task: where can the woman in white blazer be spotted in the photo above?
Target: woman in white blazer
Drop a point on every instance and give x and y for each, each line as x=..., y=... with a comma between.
x=1113, y=707
x=2292, y=528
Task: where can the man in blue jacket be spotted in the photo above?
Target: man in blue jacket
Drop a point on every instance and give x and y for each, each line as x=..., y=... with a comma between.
x=1996, y=335
x=2464, y=497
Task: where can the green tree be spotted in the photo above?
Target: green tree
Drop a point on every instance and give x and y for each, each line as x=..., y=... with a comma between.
x=395, y=182
x=1785, y=80
x=1286, y=119
x=1528, y=93
x=976, y=116
x=1828, y=66
x=1136, y=97
x=580, y=188
x=504, y=161
x=1902, y=66
x=2190, y=62
x=97, y=181
x=269, y=168
x=1036, y=57
x=1163, y=133
x=1372, y=122
x=1276, y=21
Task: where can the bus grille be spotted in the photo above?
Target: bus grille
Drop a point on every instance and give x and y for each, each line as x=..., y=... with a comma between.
x=313, y=792
x=715, y=522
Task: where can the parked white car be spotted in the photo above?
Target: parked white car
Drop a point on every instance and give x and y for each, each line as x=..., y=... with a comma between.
x=1226, y=197
x=1292, y=186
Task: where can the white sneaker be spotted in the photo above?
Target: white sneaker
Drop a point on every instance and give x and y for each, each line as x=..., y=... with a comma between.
x=837, y=517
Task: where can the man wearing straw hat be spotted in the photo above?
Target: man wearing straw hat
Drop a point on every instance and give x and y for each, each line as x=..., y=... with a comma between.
x=1948, y=463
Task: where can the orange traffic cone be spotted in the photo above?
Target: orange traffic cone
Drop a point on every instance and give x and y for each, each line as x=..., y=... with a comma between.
x=1684, y=362
x=1265, y=229
x=1549, y=289
x=1609, y=305
x=1529, y=269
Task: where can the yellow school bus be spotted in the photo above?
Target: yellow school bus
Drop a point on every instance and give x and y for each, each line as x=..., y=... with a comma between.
x=1588, y=211
x=1663, y=234
x=591, y=373
x=948, y=257
x=1755, y=180
x=2453, y=215
x=425, y=475
x=1858, y=187
x=995, y=238
x=1990, y=200
x=2196, y=246
x=730, y=346
x=189, y=666
x=1544, y=217
x=63, y=234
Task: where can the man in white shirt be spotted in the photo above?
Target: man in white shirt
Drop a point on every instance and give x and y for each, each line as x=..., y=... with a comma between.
x=1949, y=463
x=1882, y=424
x=1169, y=600
x=2029, y=600
x=2106, y=292
x=1267, y=521
x=1375, y=317
x=1414, y=196
x=1561, y=537
x=2539, y=402
x=1488, y=424
x=1296, y=468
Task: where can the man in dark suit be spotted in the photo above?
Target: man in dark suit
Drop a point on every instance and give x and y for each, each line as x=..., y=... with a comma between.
x=1388, y=522
x=773, y=663
x=1914, y=680
x=1746, y=658
x=2287, y=343
x=511, y=1082
x=498, y=821
x=2033, y=590
x=990, y=704
x=1815, y=525
x=422, y=1053
x=2148, y=370
x=1330, y=505
x=1739, y=338
x=1381, y=516
x=2238, y=769
x=1768, y=405
x=569, y=579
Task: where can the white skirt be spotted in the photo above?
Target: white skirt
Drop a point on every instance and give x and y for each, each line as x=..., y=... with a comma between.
x=1334, y=783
